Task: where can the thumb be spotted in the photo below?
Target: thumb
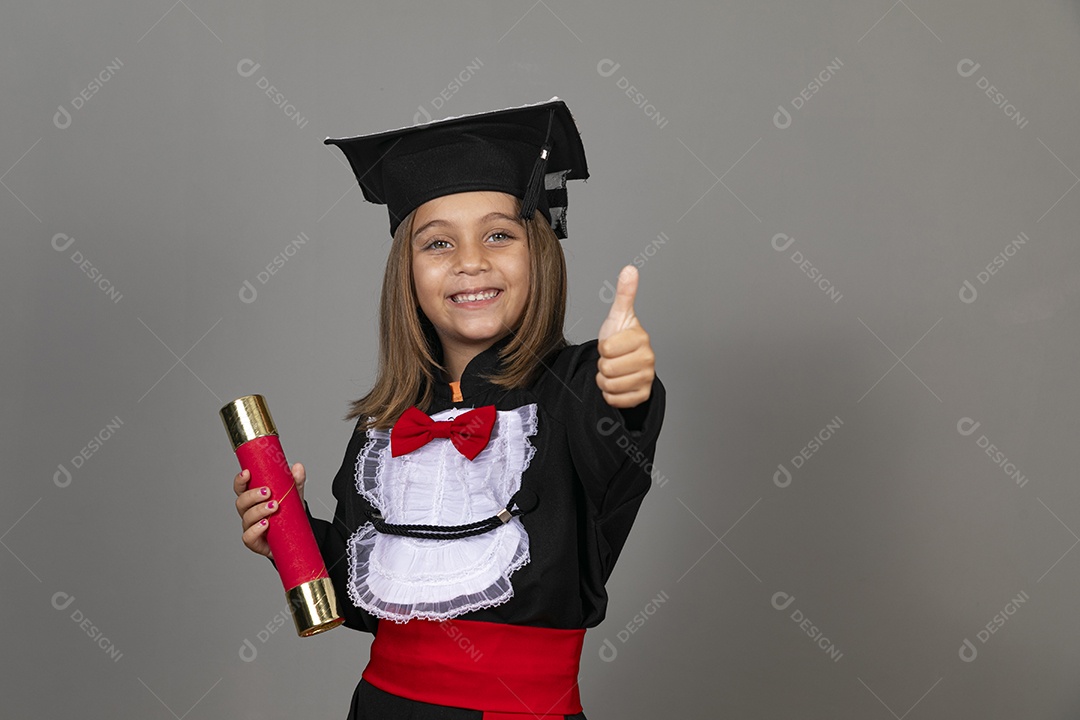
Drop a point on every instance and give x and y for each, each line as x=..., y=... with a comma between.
x=299, y=478
x=621, y=315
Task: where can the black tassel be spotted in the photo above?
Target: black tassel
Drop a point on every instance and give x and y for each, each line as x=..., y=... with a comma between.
x=535, y=185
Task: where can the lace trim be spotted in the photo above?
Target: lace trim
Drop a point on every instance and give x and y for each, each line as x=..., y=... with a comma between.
x=360, y=549
x=368, y=463
x=399, y=578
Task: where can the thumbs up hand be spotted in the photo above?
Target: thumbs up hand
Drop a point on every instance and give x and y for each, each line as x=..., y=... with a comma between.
x=627, y=362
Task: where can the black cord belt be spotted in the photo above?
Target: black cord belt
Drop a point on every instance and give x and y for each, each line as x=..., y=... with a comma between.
x=523, y=501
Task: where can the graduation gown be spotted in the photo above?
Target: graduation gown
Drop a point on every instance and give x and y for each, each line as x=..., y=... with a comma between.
x=589, y=469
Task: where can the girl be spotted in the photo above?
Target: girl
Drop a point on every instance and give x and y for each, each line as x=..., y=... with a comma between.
x=495, y=470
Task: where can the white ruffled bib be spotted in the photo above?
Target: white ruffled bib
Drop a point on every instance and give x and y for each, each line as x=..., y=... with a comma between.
x=399, y=578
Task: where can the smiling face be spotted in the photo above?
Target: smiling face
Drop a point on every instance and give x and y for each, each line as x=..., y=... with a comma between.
x=470, y=266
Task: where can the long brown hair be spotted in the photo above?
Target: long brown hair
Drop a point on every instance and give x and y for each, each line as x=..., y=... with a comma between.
x=409, y=346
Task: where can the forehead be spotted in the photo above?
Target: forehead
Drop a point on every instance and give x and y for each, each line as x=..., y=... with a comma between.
x=466, y=207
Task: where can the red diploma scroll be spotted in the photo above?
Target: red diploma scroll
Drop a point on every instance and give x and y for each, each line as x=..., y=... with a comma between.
x=303, y=574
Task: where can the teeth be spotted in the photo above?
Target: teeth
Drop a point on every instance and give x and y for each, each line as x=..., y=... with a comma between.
x=473, y=297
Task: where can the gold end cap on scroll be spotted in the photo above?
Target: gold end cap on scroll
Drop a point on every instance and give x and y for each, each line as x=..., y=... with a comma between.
x=314, y=607
x=247, y=418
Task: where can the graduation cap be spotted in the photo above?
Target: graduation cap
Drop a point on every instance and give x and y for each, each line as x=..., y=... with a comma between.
x=529, y=152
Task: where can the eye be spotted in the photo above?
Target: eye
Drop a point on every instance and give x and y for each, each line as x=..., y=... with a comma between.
x=437, y=244
x=500, y=236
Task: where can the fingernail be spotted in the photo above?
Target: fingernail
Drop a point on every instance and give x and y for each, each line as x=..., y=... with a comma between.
x=263, y=521
x=270, y=505
x=265, y=491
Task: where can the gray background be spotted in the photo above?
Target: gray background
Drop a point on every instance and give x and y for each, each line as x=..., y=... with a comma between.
x=179, y=180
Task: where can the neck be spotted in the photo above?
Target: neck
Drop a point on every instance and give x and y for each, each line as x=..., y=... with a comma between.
x=457, y=357
x=455, y=360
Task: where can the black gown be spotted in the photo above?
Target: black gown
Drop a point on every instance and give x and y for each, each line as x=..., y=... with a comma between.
x=590, y=472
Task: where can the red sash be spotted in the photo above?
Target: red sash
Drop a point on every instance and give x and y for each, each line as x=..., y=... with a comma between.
x=507, y=671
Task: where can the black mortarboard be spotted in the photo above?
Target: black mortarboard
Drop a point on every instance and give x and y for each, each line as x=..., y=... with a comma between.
x=529, y=152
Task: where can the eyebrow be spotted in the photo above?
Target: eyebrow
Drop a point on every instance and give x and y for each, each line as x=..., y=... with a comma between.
x=487, y=218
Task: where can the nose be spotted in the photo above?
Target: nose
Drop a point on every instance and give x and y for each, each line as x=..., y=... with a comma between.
x=470, y=258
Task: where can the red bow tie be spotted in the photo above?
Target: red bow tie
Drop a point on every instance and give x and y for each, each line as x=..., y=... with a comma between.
x=469, y=431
